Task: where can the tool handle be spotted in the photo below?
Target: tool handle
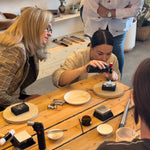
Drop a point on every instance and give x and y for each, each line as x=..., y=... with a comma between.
x=64, y=44
x=38, y=127
x=122, y=123
x=55, y=131
x=77, y=38
x=59, y=42
x=41, y=139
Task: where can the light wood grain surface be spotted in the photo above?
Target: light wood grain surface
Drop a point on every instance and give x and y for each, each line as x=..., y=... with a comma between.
x=108, y=94
x=22, y=118
x=68, y=117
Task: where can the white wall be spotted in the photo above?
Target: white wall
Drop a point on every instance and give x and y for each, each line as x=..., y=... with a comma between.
x=67, y=27
x=14, y=6
x=60, y=28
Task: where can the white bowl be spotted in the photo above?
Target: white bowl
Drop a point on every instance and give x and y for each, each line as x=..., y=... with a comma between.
x=104, y=129
x=55, y=135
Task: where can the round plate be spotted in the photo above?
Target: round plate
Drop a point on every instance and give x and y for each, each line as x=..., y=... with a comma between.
x=108, y=94
x=55, y=135
x=77, y=97
x=104, y=129
x=22, y=118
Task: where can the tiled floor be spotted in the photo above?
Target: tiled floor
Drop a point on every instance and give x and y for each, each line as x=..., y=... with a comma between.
x=44, y=83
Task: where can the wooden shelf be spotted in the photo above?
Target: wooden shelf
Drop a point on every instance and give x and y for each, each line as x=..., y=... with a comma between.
x=66, y=16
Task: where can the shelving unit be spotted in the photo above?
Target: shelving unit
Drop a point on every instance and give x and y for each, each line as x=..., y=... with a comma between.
x=66, y=16
x=67, y=24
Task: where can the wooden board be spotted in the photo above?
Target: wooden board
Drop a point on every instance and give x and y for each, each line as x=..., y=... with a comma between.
x=22, y=118
x=108, y=94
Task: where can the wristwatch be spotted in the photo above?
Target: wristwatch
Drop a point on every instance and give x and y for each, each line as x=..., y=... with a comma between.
x=109, y=14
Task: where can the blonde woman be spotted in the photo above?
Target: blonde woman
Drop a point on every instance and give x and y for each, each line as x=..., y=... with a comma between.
x=22, y=45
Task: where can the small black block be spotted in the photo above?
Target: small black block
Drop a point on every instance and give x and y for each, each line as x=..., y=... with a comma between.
x=20, y=108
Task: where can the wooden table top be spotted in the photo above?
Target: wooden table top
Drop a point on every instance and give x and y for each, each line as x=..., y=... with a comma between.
x=68, y=118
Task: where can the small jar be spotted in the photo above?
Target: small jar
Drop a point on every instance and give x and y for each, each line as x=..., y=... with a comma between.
x=86, y=120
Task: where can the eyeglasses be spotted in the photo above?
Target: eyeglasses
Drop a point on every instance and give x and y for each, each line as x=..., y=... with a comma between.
x=49, y=29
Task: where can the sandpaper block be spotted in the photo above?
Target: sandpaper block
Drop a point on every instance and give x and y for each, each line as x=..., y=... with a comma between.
x=19, y=109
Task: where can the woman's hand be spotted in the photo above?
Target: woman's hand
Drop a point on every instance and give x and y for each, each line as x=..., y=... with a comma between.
x=97, y=63
x=113, y=76
x=102, y=11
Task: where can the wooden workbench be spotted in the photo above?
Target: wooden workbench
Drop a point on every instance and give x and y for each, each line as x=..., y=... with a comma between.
x=68, y=118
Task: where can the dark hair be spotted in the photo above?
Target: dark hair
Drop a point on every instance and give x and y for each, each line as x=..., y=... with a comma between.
x=141, y=92
x=101, y=37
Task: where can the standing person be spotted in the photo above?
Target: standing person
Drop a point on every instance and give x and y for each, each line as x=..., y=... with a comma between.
x=22, y=45
x=113, y=15
x=98, y=55
x=141, y=98
x=81, y=9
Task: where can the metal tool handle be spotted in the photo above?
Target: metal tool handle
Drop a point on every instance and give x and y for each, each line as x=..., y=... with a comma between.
x=77, y=38
x=122, y=123
x=70, y=39
x=59, y=42
x=65, y=41
x=55, y=131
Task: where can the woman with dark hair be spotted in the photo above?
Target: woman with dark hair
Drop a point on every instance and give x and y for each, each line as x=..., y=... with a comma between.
x=141, y=99
x=98, y=55
x=116, y=16
x=141, y=93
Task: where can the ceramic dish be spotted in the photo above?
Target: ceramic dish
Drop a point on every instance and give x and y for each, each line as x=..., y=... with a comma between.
x=55, y=135
x=104, y=129
x=77, y=97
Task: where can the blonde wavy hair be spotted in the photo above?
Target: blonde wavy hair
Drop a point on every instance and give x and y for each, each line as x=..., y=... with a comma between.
x=28, y=29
